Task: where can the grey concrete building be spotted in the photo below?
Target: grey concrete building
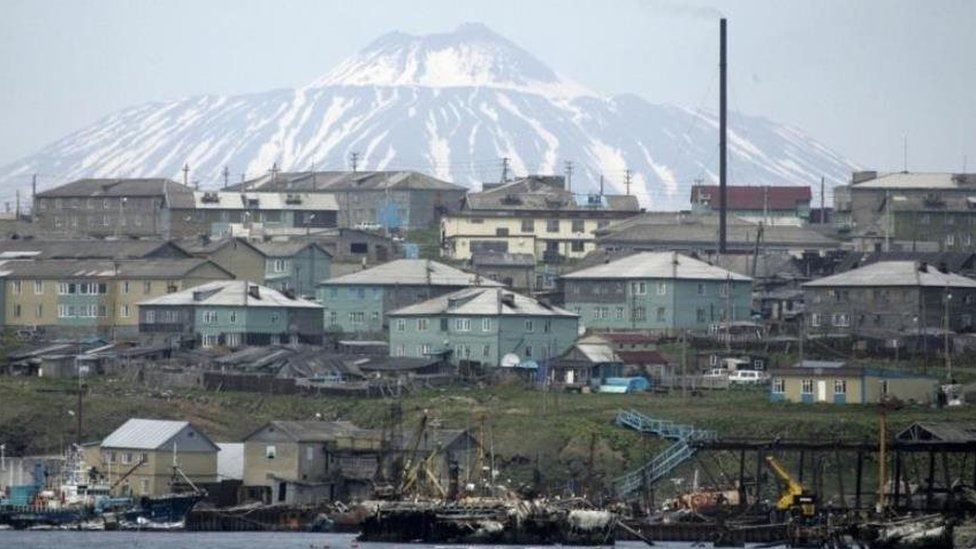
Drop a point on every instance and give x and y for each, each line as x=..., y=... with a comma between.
x=380, y=199
x=111, y=207
x=223, y=213
x=889, y=300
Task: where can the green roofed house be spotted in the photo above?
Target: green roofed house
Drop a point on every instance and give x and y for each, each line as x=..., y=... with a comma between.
x=231, y=314
x=660, y=292
x=482, y=325
x=358, y=302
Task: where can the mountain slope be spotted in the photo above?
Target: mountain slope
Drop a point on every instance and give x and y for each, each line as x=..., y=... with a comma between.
x=450, y=104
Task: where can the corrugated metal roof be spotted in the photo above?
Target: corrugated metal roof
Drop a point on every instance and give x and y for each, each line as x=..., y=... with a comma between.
x=483, y=302
x=894, y=273
x=91, y=268
x=754, y=197
x=663, y=265
x=418, y=272
x=908, y=180
x=230, y=293
x=146, y=434
x=347, y=181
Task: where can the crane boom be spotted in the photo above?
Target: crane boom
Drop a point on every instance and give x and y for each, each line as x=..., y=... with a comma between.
x=795, y=496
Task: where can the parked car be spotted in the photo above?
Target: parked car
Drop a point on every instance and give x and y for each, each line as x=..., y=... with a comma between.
x=747, y=377
x=716, y=373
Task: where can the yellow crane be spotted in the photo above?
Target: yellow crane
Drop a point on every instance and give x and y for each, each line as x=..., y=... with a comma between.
x=795, y=497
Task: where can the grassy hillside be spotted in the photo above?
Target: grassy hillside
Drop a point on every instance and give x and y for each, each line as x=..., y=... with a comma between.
x=556, y=431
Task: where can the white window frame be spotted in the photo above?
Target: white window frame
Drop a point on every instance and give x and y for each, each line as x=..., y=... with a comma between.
x=209, y=317
x=401, y=325
x=806, y=387
x=662, y=288
x=485, y=324
x=38, y=287
x=423, y=324
x=462, y=324
x=842, y=384
x=779, y=385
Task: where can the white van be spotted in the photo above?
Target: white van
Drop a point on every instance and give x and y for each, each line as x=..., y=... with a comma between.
x=747, y=377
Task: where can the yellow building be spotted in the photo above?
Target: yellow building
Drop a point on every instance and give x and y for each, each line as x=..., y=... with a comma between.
x=139, y=457
x=534, y=215
x=74, y=298
x=837, y=383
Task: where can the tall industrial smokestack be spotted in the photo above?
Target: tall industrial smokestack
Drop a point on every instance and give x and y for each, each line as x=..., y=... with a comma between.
x=721, y=141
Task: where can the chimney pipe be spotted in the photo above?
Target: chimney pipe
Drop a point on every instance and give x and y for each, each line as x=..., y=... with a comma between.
x=722, y=145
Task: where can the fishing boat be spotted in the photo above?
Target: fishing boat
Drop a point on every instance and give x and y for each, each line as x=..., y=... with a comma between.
x=81, y=502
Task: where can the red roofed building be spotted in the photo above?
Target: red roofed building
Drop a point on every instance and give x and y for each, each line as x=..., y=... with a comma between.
x=774, y=204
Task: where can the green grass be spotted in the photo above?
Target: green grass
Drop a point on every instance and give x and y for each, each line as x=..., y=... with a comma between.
x=526, y=427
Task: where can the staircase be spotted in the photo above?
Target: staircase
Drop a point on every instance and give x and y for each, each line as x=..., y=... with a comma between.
x=666, y=461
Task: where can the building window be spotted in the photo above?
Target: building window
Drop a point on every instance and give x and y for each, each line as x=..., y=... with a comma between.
x=401, y=325
x=528, y=226
x=779, y=385
x=662, y=288
x=640, y=313
x=422, y=324
x=270, y=452
x=501, y=231
x=126, y=458
x=576, y=246
x=950, y=239
x=841, y=320
x=806, y=387
x=578, y=226
x=150, y=316
x=210, y=340
x=424, y=349
x=638, y=288
x=618, y=313
x=38, y=287
x=552, y=225
x=528, y=351
x=210, y=317
x=124, y=311
x=38, y=311
x=106, y=221
x=374, y=317
x=661, y=314
x=840, y=386
x=529, y=325
x=462, y=324
x=485, y=324
x=724, y=289
x=17, y=311
x=700, y=315
x=477, y=221
x=815, y=320
x=233, y=317
x=401, y=350
x=147, y=287
x=279, y=265
x=17, y=287
x=125, y=287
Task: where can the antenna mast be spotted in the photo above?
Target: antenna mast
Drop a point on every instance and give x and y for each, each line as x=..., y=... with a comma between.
x=721, y=143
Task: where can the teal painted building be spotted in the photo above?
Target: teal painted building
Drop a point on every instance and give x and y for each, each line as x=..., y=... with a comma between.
x=231, y=314
x=661, y=292
x=482, y=325
x=358, y=302
x=295, y=265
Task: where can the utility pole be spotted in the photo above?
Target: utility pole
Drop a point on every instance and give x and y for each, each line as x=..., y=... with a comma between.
x=728, y=313
x=17, y=207
x=504, y=169
x=569, y=175
x=355, y=161
x=765, y=203
x=274, y=175
x=601, y=184
x=945, y=333
x=627, y=177
x=887, y=221
x=186, y=175
x=684, y=364
x=226, y=176
x=721, y=140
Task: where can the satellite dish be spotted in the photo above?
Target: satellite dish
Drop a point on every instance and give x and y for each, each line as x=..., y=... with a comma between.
x=510, y=360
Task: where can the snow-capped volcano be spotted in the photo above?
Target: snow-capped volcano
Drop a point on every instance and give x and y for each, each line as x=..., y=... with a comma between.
x=449, y=104
x=472, y=56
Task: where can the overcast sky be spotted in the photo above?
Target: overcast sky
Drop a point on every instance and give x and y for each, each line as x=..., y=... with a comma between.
x=859, y=76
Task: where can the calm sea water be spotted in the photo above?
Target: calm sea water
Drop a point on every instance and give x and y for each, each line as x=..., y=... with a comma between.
x=219, y=540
